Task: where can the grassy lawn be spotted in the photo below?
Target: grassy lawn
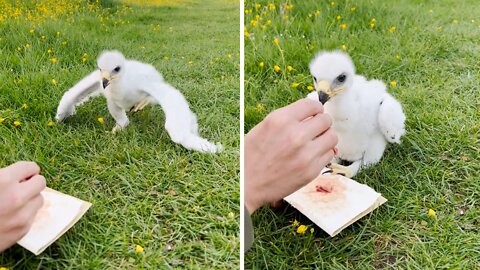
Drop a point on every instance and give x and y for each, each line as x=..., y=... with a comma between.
x=181, y=206
x=430, y=49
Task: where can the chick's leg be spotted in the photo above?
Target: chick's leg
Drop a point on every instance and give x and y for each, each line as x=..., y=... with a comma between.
x=118, y=114
x=140, y=105
x=347, y=171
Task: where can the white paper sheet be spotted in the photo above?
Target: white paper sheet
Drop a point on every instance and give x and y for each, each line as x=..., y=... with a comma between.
x=333, y=202
x=58, y=214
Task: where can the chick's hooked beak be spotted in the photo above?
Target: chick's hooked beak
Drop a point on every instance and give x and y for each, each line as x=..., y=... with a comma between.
x=323, y=90
x=105, y=79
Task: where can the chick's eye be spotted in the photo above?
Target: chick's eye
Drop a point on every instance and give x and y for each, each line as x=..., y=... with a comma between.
x=117, y=69
x=341, y=78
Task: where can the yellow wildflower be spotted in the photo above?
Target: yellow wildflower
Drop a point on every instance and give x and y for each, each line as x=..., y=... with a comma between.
x=317, y=11
x=310, y=15
x=260, y=107
x=269, y=22
x=295, y=85
x=271, y=6
x=27, y=46
x=58, y=33
x=24, y=106
x=43, y=37
x=261, y=64
x=312, y=230
x=257, y=6
x=455, y=21
x=353, y=9
x=302, y=229
x=53, y=60
x=393, y=83
x=310, y=88
x=372, y=25
x=16, y=123
x=64, y=43
x=100, y=120
x=344, y=47
x=431, y=212
x=295, y=223
x=285, y=17
x=343, y=26
x=254, y=22
x=54, y=82
x=231, y=215
x=288, y=6
x=392, y=29
x=246, y=34
x=2, y=120
x=289, y=68
x=138, y=249
x=190, y=62
x=32, y=31
x=19, y=49
x=49, y=51
x=229, y=56
x=397, y=57
x=332, y=4
x=84, y=59
x=276, y=68
x=339, y=17
x=275, y=40
x=50, y=123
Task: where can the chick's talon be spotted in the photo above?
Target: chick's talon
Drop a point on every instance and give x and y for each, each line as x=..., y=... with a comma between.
x=341, y=170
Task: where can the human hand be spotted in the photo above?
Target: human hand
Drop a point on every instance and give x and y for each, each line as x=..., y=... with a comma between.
x=285, y=151
x=20, y=199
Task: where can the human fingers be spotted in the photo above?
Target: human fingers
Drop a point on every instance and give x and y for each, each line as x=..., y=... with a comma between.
x=303, y=109
x=20, y=171
x=316, y=125
x=324, y=143
x=27, y=190
x=23, y=219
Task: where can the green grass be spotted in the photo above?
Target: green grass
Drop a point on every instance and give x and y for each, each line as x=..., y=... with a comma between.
x=436, y=166
x=145, y=189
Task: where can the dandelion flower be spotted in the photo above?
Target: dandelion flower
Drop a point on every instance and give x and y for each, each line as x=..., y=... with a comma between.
x=344, y=47
x=295, y=85
x=53, y=60
x=24, y=106
x=289, y=68
x=27, y=46
x=353, y=9
x=16, y=123
x=269, y=22
x=343, y=26
x=302, y=229
x=64, y=43
x=58, y=33
x=288, y=6
x=54, y=82
x=50, y=123
x=138, y=249
x=339, y=17
x=229, y=56
x=275, y=40
x=397, y=57
x=317, y=11
x=393, y=83
x=310, y=15
x=49, y=51
x=32, y=31
x=455, y=21
x=246, y=34
x=261, y=64
x=431, y=212
x=258, y=6
x=43, y=37
x=19, y=49
x=260, y=107
x=372, y=25
x=392, y=29
x=310, y=88
x=190, y=62
x=332, y=4
x=276, y=68
x=2, y=120
x=100, y=120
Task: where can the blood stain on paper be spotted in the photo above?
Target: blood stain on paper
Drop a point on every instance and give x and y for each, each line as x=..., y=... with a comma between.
x=326, y=193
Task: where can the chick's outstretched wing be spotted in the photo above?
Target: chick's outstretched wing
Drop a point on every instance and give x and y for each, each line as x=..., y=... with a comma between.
x=86, y=88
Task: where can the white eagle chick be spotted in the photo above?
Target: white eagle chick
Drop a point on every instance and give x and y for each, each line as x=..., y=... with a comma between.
x=129, y=85
x=364, y=116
